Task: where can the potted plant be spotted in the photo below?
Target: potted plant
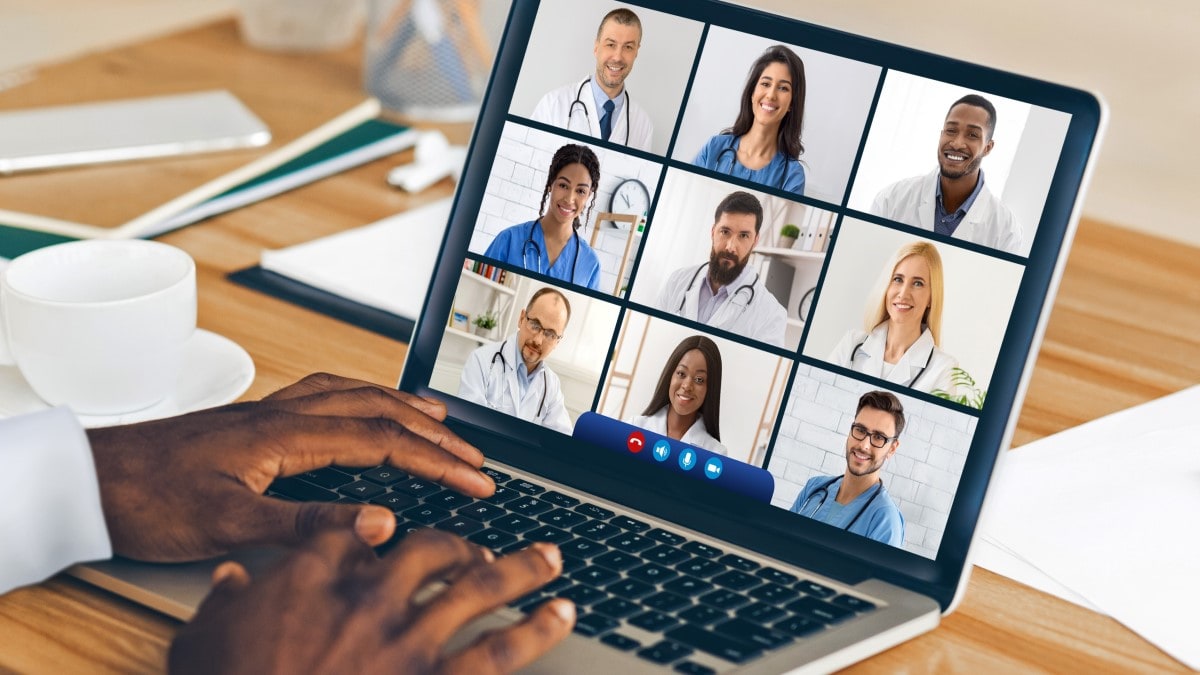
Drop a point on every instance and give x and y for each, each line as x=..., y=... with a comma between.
x=966, y=391
x=484, y=324
x=788, y=235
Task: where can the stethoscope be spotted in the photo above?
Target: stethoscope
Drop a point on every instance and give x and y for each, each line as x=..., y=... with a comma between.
x=744, y=287
x=733, y=149
x=824, y=488
x=916, y=377
x=588, y=118
x=504, y=364
x=537, y=254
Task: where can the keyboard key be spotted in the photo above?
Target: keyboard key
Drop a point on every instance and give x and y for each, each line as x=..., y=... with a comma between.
x=383, y=475
x=737, y=581
x=851, y=602
x=777, y=577
x=502, y=495
x=774, y=593
x=665, y=652
x=630, y=589
x=300, y=491
x=525, y=487
x=702, y=615
x=582, y=595
x=665, y=537
x=693, y=668
x=655, y=622
x=688, y=586
x=498, y=476
x=740, y=563
x=570, y=564
x=617, y=608
x=417, y=487
x=616, y=560
x=518, y=545
x=722, y=646
x=482, y=511
x=582, y=548
x=620, y=642
x=559, y=499
x=652, y=574
x=396, y=501
x=348, y=500
x=627, y=523
x=514, y=524
x=629, y=542
x=702, y=550
x=492, y=538
x=761, y=612
x=426, y=515
x=325, y=477
x=664, y=555
x=814, y=589
x=746, y=631
x=819, y=610
x=528, y=506
x=665, y=601
x=460, y=525
x=362, y=490
x=703, y=569
x=563, y=518
x=593, y=511
x=594, y=624
x=547, y=533
x=558, y=584
x=723, y=599
x=596, y=530
x=594, y=575
x=449, y=499
x=798, y=626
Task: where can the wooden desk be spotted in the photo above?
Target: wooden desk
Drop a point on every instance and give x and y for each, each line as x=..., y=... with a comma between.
x=1123, y=332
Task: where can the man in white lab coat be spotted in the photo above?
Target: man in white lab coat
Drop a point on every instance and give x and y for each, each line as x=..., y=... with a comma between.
x=953, y=200
x=599, y=105
x=726, y=292
x=513, y=377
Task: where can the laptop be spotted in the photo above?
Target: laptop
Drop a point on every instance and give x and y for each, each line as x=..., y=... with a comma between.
x=748, y=345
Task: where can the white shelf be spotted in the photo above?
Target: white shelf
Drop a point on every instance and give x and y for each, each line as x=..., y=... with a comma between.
x=790, y=253
x=480, y=279
x=450, y=330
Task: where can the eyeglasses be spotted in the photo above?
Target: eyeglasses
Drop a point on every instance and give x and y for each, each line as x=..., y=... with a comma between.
x=858, y=432
x=546, y=332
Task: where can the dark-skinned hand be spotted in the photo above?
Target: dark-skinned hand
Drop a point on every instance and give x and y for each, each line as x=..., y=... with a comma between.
x=191, y=487
x=334, y=607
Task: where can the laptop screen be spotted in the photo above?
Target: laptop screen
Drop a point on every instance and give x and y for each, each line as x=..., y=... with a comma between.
x=753, y=255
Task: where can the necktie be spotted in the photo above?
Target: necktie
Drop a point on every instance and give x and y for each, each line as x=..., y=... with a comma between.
x=606, y=120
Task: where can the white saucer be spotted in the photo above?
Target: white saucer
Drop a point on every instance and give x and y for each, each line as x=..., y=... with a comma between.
x=216, y=370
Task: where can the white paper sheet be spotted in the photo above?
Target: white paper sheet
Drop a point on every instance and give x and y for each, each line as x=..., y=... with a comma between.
x=1111, y=510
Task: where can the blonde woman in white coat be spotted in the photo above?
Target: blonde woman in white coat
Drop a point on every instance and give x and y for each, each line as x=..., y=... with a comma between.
x=901, y=343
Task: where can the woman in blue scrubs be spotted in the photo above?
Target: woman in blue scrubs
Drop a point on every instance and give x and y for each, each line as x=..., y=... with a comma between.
x=763, y=145
x=551, y=245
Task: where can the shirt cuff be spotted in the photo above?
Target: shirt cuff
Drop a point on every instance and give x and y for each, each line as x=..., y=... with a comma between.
x=52, y=516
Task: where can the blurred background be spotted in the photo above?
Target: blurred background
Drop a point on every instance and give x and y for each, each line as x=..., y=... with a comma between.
x=1140, y=56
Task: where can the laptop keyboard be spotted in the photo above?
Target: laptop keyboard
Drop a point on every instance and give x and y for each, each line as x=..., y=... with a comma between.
x=628, y=579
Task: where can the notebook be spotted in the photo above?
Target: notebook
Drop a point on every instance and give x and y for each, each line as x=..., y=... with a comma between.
x=829, y=416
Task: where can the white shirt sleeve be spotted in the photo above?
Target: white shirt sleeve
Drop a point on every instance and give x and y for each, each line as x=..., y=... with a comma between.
x=52, y=516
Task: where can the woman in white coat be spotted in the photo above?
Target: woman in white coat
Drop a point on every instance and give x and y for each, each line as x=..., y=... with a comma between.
x=903, y=326
x=686, y=405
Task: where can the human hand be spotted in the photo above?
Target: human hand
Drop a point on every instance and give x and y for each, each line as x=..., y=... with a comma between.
x=334, y=607
x=192, y=486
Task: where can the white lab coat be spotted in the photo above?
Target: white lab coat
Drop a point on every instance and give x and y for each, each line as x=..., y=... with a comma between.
x=988, y=223
x=491, y=380
x=757, y=315
x=51, y=518
x=869, y=360
x=555, y=109
x=696, y=435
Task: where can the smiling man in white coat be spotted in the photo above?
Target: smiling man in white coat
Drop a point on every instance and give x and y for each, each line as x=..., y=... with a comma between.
x=952, y=200
x=513, y=378
x=599, y=105
x=726, y=292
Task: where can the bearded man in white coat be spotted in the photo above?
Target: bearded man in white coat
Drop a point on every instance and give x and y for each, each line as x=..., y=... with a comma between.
x=599, y=105
x=953, y=200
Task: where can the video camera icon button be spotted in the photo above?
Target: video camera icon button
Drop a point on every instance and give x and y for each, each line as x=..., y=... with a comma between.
x=713, y=468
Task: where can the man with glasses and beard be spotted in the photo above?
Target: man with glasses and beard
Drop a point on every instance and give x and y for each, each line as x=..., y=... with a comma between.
x=725, y=292
x=952, y=199
x=512, y=377
x=857, y=501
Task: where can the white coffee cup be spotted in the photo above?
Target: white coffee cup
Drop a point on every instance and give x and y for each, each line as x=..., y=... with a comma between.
x=99, y=326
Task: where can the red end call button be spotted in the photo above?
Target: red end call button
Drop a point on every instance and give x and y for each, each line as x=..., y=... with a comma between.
x=636, y=442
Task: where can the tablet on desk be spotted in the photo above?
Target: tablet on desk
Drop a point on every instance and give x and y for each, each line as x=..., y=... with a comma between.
x=113, y=131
